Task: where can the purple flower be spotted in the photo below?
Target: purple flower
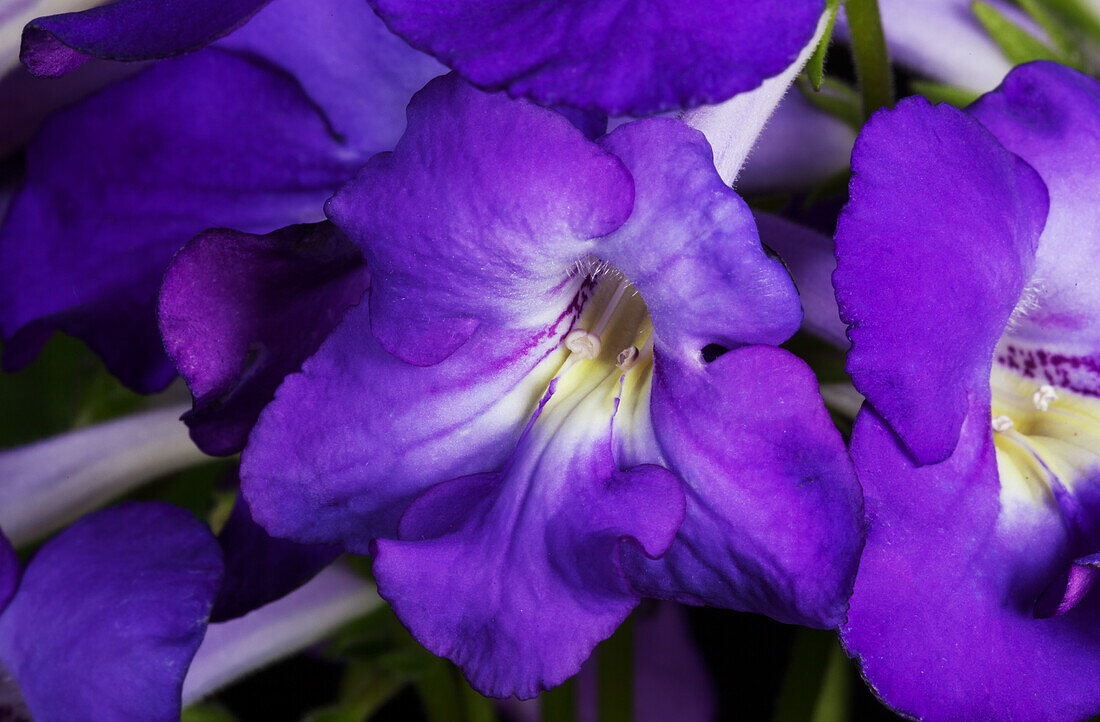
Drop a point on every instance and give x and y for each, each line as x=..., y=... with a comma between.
x=618, y=58
x=103, y=623
x=517, y=421
x=976, y=339
x=253, y=133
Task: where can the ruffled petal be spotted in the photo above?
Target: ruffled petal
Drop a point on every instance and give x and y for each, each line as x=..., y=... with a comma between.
x=941, y=618
x=691, y=248
x=118, y=183
x=260, y=568
x=350, y=441
x=110, y=613
x=626, y=59
x=774, y=511
x=347, y=61
x=515, y=575
x=129, y=30
x=239, y=312
x=1049, y=115
x=933, y=251
x=477, y=217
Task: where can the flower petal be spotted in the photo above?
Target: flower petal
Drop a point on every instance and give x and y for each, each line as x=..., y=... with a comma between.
x=497, y=247
x=1049, y=115
x=348, y=62
x=110, y=613
x=260, y=568
x=129, y=30
x=350, y=441
x=941, y=617
x=774, y=512
x=625, y=59
x=239, y=312
x=933, y=251
x=516, y=579
x=9, y=571
x=691, y=248
x=116, y=185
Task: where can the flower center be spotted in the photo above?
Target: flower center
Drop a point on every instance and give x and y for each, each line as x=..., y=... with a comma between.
x=1047, y=438
x=606, y=370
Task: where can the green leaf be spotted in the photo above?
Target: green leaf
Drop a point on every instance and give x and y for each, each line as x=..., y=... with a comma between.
x=559, y=704
x=1052, y=26
x=1018, y=45
x=363, y=692
x=615, y=668
x=940, y=93
x=836, y=99
x=207, y=713
x=817, y=683
x=815, y=68
x=1076, y=14
x=876, y=81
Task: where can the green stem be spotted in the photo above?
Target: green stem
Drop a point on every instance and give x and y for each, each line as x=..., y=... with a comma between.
x=817, y=681
x=872, y=62
x=615, y=666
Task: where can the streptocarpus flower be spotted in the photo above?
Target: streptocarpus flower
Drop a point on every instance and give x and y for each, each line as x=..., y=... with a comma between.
x=518, y=422
x=622, y=58
x=106, y=618
x=976, y=339
x=254, y=133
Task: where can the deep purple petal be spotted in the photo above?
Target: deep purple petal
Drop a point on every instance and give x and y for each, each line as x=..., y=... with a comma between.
x=110, y=613
x=516, y=578
x=1049, y=115
x=9, y=571
x=479, y=215
x=238, y=312
x=624, y=58
x=1069, y=589
x=933, y=251
x=774, y=515
x=129, y=30
x=941, y=617
x=260, y=568
x=118, y=183
x=691, y=248
x=349, y=63
x=358, y=434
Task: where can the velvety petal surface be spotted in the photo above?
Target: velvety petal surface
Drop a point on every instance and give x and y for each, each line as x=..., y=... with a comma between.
x=260, y=568
x=116, y=184
x=350, y=441
x=774, y=512
x=238, y=312
x=515, y=575
x=624, y=58
x=1049, y=115
x=691, y=247
x=129, y=30
x=109, y=615
x=348, y=62
x=478, y=215
x=941, y=618
x=933, y=251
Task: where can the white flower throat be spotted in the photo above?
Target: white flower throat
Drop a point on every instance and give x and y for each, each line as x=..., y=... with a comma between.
x=1047, y=436
x=601, y=373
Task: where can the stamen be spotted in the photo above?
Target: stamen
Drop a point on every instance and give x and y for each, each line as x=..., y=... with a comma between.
x=1043, y=397
x=1002, y=424
x=628, y=357
x=584, y=344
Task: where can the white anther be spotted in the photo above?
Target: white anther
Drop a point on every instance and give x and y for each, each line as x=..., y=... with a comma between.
x=628, y=357
x=584, y=344
x=1043, y=397
x=1002, y=424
